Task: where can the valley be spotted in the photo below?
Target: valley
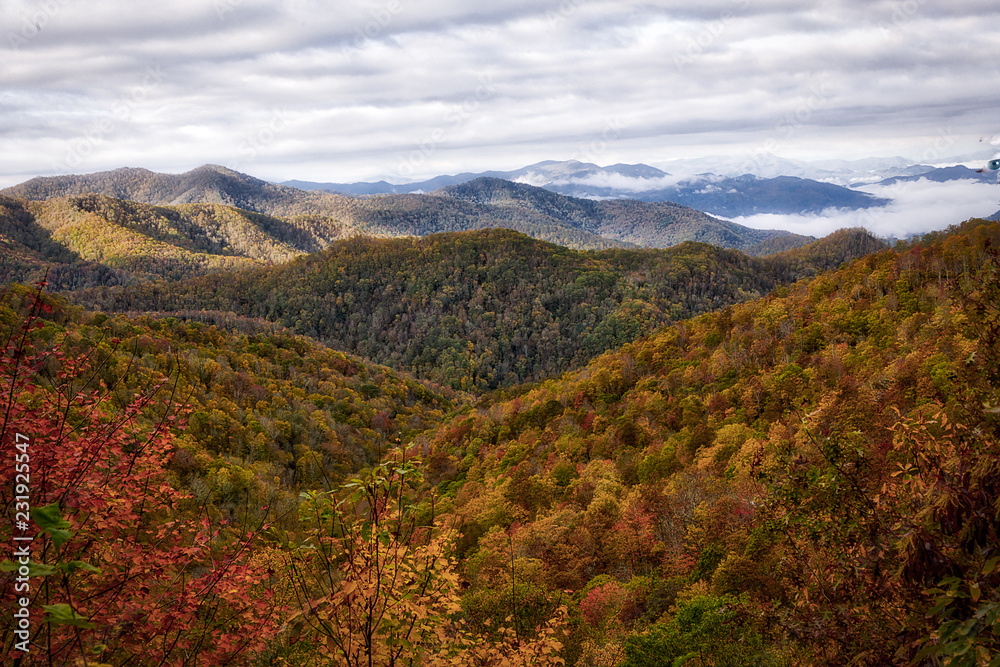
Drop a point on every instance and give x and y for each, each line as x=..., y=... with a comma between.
x=667, y=439
x=499, y=334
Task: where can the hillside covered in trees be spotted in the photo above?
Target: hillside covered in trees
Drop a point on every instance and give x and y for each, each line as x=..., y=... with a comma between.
x=808, y=478
x=264, y=404
x=648, y=224
x=755, y=472
x=86, y=240
x=479, y=310
x=484, y=203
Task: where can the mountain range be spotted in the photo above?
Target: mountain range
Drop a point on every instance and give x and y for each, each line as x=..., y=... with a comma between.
x=485, y=202
x=849, y=173
x=943, y=175
x=486, y=308
x=670, y=499
x=255, y=413
x=729, y=196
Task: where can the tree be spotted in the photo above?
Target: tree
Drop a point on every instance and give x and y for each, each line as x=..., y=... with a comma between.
x=378, y=586
x=705, y=630
x=119, y=573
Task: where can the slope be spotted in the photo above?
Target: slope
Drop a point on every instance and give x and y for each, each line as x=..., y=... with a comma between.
x=656, y=225
x=206, y=184
x=735, y=194
x=268, y=412
x=816, y=471
x=533, y=211
x=744, y=195
x=484, y=309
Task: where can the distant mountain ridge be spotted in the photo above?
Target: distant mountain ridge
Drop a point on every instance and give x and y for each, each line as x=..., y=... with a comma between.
x=86, y=240
x=746, y=195
x=540, y=213
x=945, y=174
x=208, y=184
x=626, y=220
x=849, y=173
x=551, y=170
x=718, y=195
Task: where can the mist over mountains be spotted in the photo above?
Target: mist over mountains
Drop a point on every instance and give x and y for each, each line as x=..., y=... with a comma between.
x=887, y=195
x=944, y=175
x=564, y=349
x=481, y=203
x=583, y=205
x=745, y=194
x=312, y=329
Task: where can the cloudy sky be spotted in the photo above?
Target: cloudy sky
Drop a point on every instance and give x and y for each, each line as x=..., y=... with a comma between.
x=406, y=89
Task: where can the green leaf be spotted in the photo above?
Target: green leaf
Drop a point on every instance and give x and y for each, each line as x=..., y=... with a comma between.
x=50, y=520
x=63, y=614
x=34, y=569
x=74, y=565
x=683, y=659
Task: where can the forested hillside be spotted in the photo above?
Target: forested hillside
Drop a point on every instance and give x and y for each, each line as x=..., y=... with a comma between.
x=86, y=240
x=268, y=410
x=481, y=204
x=479, y=310
x=650, y=224
x=209, y=184
x=805, y=478
x=809, y=478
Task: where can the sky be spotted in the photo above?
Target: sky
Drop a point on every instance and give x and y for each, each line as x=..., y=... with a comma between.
x=404, y=90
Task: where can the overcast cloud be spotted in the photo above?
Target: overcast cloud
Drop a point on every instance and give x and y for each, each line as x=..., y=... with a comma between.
x=917, y=207
x=408, y=89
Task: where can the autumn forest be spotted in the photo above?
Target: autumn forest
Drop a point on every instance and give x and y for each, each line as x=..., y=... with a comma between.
x=342, y=431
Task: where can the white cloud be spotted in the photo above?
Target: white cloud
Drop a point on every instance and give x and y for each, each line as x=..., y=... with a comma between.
x=367, y=86
x=917, y=207
x=605, y=179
